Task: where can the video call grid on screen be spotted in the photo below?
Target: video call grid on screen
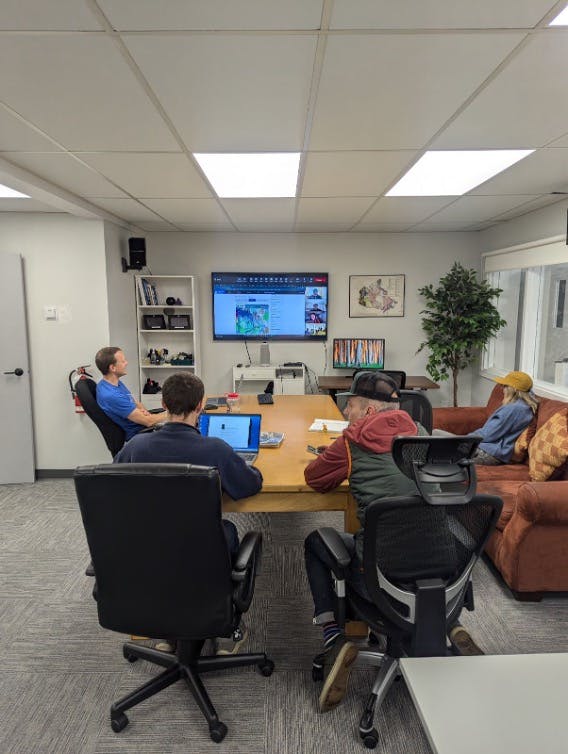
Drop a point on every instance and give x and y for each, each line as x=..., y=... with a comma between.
x=358, y=353
x=285, y=306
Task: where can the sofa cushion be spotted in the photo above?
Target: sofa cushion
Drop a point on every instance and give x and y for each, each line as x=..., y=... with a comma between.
x=495, y=399
x=548, y=450
x=517, y=473
x=546, y=409
x=507, y=491
x=521, y=449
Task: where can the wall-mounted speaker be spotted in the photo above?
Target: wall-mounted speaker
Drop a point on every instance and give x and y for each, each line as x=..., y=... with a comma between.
x=137, y=252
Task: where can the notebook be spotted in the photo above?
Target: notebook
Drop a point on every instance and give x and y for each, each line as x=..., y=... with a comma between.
x=240, y=431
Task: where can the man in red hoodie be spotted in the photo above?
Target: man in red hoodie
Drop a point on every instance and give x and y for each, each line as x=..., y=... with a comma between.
x=363, y=455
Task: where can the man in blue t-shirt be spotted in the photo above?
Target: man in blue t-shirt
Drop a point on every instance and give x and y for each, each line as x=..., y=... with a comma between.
x=115, y=398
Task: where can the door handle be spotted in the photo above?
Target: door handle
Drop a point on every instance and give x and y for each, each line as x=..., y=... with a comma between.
x=18, y=372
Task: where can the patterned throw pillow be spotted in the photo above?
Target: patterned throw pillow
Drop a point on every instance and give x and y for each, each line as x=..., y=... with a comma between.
x=549, y=448
x=523, y=441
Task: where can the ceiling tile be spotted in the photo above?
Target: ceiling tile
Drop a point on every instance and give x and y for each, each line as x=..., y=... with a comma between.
x=438, y=14
x=381, y=228
x=396, y=91
x=25, y=205
x=47, y=15
x=150, y=175
x=80, y=91
x=156, y=227
x=333, y=213
x=352, y=173
x=543, y=171
x=16, y=136
x=253, y=97
x=524, y=107
x=64, y=171
x=261, y=214
x=191, y=212
x=475, y=209
x=403, y=209
x=441, y=225
x=178, y=15
x=531, y=206
x=128, y=209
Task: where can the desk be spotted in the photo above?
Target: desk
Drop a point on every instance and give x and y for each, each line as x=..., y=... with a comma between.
x=333, y=383
x=284, y=488
x=501, y=704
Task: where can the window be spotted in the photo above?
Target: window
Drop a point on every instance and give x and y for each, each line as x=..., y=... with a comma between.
x=533, y=302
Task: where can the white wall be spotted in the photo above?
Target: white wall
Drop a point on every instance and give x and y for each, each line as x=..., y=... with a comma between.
x=121, y=302
x=64, y=265
x=423, y=258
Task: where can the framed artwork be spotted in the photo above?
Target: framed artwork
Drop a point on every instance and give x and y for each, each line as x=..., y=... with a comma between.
x=376, y=295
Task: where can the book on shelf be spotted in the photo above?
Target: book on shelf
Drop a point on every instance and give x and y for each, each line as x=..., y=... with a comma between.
x=141, y=296
x=271, y=439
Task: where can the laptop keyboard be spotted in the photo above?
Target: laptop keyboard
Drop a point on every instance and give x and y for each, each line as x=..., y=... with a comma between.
x=248, y=458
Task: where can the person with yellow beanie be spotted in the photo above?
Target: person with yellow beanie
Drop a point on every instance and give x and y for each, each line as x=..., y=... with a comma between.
x=502, y=428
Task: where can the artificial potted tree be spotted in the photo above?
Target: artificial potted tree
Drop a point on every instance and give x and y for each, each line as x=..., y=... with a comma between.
x=459, y=318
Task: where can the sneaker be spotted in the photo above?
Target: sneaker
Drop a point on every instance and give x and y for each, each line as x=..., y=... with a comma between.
x=462, y=641
x=231, y=645
x=339, y=658
x=165, y=646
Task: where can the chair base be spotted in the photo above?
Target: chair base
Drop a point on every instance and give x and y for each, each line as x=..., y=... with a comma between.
x=187, y=664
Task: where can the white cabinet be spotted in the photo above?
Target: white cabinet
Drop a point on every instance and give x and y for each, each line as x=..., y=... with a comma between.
x=254, y=379
x=166, y=327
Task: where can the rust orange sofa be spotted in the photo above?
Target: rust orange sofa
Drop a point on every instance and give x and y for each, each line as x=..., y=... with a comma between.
x=530, y=544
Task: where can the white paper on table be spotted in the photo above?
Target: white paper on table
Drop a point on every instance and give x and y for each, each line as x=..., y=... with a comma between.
x=332, y=425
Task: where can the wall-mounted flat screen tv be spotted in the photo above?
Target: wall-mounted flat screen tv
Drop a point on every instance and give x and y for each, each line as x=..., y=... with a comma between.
x=358, y=353
x=270, y=305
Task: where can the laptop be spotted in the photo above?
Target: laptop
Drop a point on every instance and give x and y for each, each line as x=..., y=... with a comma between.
x=240, y=431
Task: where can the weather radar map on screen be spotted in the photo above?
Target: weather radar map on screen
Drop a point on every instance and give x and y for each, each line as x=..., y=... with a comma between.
x=270, y=306
x=358, y=353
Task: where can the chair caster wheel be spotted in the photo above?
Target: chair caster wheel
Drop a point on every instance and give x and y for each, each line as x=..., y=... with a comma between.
x=370, y=739
x=317, y=674
x=266, y=668
x=128, y=655
x=217, y=732
x=119, y=722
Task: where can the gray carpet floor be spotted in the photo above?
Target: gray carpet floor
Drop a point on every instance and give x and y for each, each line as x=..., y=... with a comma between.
x=61, y=671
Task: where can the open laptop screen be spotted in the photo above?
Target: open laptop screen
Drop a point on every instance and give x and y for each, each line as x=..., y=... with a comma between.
x=240, y=431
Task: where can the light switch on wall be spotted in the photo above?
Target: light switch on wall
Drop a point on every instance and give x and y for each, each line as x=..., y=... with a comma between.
x=50, y=312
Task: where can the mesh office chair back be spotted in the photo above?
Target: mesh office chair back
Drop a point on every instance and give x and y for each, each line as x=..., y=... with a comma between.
x=416, y=403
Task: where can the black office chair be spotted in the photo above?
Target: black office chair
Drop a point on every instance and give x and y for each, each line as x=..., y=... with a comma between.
x=113, y=435
x=175, y=581
x=416, y=403
x=418, y=557
x=398, y=376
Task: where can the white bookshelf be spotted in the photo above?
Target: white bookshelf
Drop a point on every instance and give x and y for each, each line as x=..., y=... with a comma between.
x=160, y=288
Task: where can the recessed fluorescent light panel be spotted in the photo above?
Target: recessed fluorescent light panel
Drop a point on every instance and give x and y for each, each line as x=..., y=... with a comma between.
x=453, y=173
x=561, y=19
x=238, y=176
x=8, y=193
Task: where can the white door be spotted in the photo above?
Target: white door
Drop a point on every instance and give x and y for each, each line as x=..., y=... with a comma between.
x=16, y=437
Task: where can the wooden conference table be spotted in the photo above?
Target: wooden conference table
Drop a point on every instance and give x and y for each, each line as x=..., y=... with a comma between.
x=334, y=383
x=284, y=488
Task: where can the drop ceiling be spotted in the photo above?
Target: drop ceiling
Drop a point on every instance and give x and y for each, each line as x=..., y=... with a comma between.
x=104, y=102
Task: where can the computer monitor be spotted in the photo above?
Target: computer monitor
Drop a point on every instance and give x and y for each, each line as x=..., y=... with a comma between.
x=358, y=353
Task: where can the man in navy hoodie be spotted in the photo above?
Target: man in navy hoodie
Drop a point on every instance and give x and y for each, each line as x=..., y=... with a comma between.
x=179, y=441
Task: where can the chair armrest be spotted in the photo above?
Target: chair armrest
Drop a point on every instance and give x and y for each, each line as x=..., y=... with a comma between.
x=543, y=502
x=336, y=548
x=249, y=547
x=460, y=421
x=245, y=568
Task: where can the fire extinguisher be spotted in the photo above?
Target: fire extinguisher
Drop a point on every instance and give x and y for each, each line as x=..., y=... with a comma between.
x=74, y=376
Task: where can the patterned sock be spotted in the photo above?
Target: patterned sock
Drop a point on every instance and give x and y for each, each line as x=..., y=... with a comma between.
x=330, y=632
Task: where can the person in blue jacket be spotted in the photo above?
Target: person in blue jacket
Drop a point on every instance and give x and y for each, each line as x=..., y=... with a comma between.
x=502, y=428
